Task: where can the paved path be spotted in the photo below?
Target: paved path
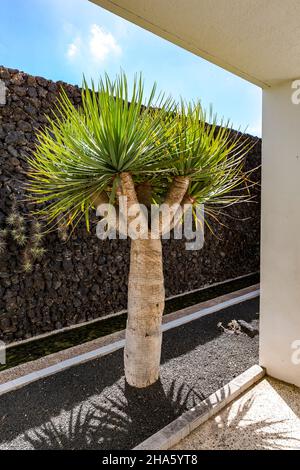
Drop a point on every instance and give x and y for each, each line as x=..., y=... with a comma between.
x=265, y=417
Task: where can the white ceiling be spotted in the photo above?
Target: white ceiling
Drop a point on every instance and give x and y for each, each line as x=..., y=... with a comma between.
x=258, y=40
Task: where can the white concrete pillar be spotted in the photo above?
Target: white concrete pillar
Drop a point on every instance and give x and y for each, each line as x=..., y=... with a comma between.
x=280, y=262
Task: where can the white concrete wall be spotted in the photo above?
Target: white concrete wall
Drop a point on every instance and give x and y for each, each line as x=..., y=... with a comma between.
x=280, y=264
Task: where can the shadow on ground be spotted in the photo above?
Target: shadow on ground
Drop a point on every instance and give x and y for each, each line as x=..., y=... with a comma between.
x=112, y=425
x=238, y=432
x=90, y=407
x=266, y=417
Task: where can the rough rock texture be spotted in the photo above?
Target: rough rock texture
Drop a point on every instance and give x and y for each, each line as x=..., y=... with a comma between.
x=84, y=278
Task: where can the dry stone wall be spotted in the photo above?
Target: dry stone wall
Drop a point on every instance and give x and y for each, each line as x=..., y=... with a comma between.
x=83, y=278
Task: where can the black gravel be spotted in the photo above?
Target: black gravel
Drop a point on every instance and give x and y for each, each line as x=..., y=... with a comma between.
x=82, y=334
x=90, y=406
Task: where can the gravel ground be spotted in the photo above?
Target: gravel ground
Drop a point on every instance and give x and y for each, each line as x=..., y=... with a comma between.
x=90, y=406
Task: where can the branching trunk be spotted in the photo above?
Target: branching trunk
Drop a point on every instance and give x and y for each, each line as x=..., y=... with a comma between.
x=146, y=294
x=177, y=190
x=145, y=308
x=174, y=198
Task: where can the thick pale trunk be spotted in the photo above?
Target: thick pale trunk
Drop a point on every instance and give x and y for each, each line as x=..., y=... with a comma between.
x=145, y=308
x=146, y=294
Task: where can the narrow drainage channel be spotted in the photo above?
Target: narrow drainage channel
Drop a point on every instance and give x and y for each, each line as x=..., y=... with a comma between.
x=26, y=352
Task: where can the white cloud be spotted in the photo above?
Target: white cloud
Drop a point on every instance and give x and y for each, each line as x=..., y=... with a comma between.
x=102, y=44
x=72, y=50
x=98, y=45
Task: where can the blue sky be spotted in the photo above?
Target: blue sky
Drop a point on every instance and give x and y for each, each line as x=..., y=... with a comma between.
x=62, y=39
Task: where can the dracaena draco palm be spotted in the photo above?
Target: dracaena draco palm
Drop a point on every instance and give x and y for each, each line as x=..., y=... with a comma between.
x=152, y=152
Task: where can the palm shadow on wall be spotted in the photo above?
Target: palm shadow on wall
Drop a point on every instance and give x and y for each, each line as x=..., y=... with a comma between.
x=120, y=423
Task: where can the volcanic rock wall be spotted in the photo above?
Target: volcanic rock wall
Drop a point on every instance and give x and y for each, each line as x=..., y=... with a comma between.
x=84, y=278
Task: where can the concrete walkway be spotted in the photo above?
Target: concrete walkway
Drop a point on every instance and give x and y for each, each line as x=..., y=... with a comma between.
x=266, y=417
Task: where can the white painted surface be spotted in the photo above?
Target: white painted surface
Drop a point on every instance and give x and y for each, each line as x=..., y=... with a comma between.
x=258, y=40
x=280, y=262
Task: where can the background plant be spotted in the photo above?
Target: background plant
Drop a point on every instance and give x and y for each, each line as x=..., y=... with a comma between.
x=27, y=234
